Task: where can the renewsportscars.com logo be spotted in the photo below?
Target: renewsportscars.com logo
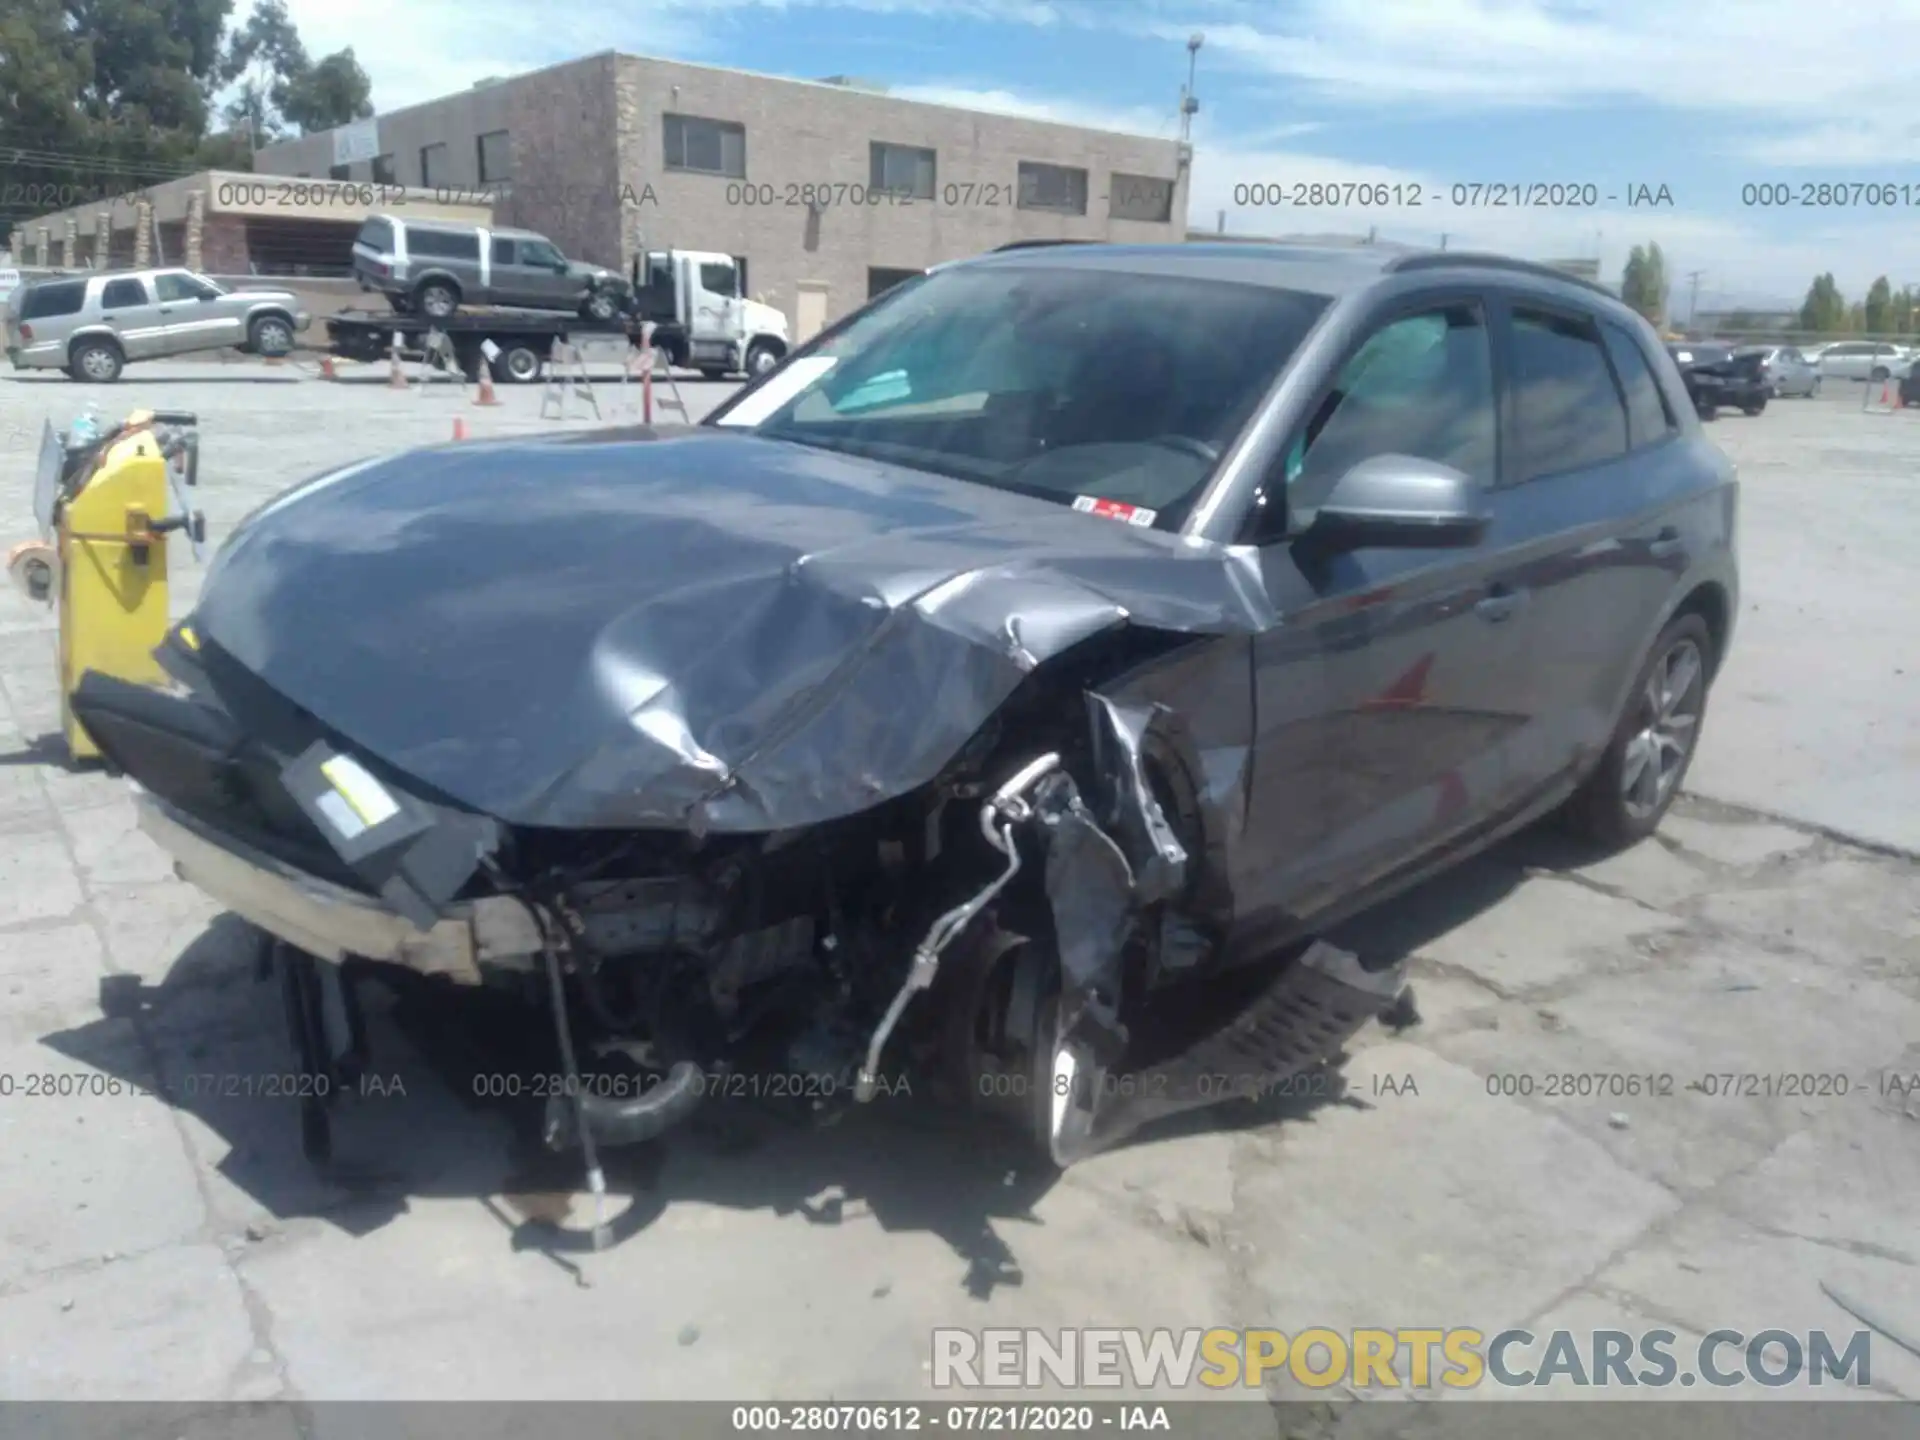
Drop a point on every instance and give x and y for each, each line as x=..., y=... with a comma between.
x=1378, y=1359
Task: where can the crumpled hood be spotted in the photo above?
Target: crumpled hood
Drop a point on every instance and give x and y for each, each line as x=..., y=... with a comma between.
x=716, y=631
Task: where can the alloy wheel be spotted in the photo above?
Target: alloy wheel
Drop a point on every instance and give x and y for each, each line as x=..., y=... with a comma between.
x=1669, y=722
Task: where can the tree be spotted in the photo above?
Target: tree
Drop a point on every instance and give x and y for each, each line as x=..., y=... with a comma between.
x=1643, y=283
x=1878, y=310
x=102, y=97
x=1825, y=308
x=333, y=92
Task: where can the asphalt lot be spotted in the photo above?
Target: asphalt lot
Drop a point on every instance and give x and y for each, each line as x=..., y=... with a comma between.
x=179, y=1247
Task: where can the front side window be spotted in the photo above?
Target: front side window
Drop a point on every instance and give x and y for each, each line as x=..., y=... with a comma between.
x=1055, y=382
x=175, y=285
x=1568, y=412
x=541, y=252
x=717, y=278
x=1420, y=386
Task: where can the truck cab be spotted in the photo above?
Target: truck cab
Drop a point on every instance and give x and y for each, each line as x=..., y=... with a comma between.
x=698, y=292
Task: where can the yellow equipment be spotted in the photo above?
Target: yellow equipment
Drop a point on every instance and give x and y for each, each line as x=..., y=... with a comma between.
x=110, y=520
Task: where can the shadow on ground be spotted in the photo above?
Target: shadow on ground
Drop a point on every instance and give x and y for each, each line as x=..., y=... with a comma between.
x=430, y=1119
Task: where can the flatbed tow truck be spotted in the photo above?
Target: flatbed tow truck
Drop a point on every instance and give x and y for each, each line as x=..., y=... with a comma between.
x=523, y=338
x=701, y=321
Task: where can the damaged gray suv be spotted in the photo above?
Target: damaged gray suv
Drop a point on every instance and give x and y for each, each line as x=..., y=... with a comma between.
x=1005, y=693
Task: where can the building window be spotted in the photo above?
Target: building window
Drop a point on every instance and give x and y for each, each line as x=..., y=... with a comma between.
x=901, y=170
x=1052, y=187
x=707, y=147
x=492, y=148
x=1139, y=197
x=383, y=171
x=433, y=164
x=880, y=279
x=339, y=172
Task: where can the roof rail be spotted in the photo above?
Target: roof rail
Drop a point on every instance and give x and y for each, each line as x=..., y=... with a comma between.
x=1451, y=259
x=1036, y=244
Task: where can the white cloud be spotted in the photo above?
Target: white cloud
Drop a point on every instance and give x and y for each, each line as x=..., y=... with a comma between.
x=1774, y=64
x=1738, y=254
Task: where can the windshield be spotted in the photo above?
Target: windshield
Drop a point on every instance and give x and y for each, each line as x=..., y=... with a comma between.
x=1061, y=383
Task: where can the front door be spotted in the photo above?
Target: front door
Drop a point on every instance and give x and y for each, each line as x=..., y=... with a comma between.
x=712, y=290
x=544, y=275
x=1390, y=693
x=191, y=317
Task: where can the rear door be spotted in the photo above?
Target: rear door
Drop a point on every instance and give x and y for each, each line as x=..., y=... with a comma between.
x=1599, y=470
x=127, y=305
x=1390, y=695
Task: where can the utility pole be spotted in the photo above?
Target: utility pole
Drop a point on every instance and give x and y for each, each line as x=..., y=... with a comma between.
x=1189, y=102
x=1693, y=297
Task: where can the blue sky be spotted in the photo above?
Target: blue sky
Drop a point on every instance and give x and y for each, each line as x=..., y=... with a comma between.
x=1704, y=97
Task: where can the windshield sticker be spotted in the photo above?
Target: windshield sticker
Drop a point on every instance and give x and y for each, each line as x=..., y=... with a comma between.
x=778, y=390
x=1114, y=509
x=368, y=798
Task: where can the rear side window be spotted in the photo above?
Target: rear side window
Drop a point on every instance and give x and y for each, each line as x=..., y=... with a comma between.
x=376, y=234
x=503, y=252
x=1648, y=422
x=448, y=244
x=122, y=293
x=62, y=297
x=1568, y=413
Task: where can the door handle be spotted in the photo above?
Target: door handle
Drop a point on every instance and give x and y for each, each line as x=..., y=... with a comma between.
x=1666, y=544
x=1500, y=603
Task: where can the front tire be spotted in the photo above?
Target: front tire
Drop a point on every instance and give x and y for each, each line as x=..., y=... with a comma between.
x=437, y=300
x=1754, y=407
x=600, y=306
x=517, y=365
x=1630, y=790
x=761, y=357
x=270, y=336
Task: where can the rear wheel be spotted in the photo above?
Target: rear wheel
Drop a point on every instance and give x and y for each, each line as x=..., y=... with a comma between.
x=98, y=361
x=1754, y=407
x=1880, y=372
x=1624, y=799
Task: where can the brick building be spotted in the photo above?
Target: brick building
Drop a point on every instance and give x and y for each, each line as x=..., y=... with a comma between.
x=828, y=191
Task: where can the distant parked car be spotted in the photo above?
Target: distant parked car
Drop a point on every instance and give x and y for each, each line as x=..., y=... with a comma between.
x=433, y=267
x=1716, y=376
x=92, y=326
x=1864, y=360
x=1785, y=369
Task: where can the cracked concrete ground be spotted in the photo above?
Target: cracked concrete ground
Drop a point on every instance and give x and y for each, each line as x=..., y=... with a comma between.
x=167, y=1242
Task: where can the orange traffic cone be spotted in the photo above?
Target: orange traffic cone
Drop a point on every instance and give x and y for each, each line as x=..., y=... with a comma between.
x=459, y=428
x=327, y=371
x=396, y=377
x=486, y=395
x=1886, y=392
